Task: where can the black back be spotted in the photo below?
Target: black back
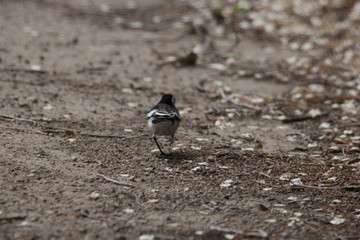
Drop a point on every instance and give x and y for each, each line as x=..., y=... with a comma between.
x=166, y=105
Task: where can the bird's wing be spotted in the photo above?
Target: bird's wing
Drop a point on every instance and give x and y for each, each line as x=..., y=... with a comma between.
x=160, y=115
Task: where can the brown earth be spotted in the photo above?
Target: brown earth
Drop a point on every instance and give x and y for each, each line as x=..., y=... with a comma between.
x=100, y=78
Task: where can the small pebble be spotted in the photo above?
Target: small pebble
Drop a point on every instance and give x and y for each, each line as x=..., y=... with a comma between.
x=138, y=158
x=94, y=195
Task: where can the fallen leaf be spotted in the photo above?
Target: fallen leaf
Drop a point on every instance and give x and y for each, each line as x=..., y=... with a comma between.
x=147, y=237
x=94, y=195
x=196, y=168
x=128, y=210
x=218, y=66
x=226, y=183
x=337, y=220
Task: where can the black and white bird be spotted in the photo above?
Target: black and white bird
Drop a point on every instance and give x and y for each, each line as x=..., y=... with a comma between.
x=164, y=119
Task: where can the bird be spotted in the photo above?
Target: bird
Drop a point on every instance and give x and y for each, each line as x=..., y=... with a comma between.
x=163, y=119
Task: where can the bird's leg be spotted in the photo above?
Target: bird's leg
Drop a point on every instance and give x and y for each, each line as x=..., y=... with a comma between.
x=171, y=140
x=158, y=145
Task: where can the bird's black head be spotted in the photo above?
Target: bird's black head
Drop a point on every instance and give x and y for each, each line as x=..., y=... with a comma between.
x=168, y=99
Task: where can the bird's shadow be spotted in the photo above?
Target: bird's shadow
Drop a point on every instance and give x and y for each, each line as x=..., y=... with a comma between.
x=178, y=157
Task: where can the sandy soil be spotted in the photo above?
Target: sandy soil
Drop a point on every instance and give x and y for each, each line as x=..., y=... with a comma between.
x=100, y=78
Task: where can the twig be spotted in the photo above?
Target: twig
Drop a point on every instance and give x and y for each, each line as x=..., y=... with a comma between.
x=208, y=207
x=314, y=187
x=199, y=85
x=58, y=130
x=334, y=187
x=353, y=124
x=17, y=119
x=352, y=161
x=236, y=42
x=152, y=27
x=114, y=41
x=349, y=237
x=70, y=131
x=188, y=60
x=19, y=69
x=91, y=69
x=296, y=133
x=115, y=13
x=204, y=47
x=248, y=233
x=12, y=218
x=22, y=82
x=204, y=11
x=266, y=175
x=207, y=39
x=25, y=130
x=221, y=229
x=102, y=135
x=303, y=118
x=115, y=181
x=157, y=236
x=74, y=132
x=221, y=91
x=256, y=233
x=111, y=136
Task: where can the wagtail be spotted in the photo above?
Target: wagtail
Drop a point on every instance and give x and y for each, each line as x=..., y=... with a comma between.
x=164, y=119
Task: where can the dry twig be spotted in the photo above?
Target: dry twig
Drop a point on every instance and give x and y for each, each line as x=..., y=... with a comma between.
x=94, y=12
x=115, y=181
x=91, y=69
x=352, y=161
x=199, y=85
x=266, y=175
x=75, y=132
x=303, y=118
x=350, y=188
x=247, y=233
x=229, y=230
x=152, y=27
x=356, y=237
x=110, y=136
x=19, y=69
x=67, y=131
x=353, y=124
x=245, y=105
x=12, y=218
x=17, y=119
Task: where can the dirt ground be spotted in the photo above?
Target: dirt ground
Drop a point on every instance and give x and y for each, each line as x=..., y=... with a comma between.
x=76, y=82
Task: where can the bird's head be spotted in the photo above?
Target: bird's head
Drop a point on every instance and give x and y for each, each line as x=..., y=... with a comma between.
x=168, y=99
